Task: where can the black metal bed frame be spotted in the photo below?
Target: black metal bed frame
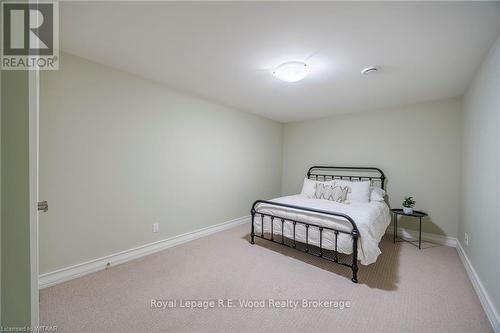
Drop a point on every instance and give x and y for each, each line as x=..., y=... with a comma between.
x=324, y=173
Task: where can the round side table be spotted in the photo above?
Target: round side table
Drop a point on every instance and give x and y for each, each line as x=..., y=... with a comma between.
x=417, y=214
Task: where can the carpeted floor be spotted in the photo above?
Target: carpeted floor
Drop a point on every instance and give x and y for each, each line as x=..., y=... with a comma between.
x=405, y=290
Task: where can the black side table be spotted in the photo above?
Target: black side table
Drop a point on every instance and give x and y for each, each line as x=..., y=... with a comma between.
x=416, y=213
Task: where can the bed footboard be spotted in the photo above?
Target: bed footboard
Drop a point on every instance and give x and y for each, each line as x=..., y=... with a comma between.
x=354, y=232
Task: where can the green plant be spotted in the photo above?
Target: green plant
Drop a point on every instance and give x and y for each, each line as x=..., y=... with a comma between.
x=408, y=202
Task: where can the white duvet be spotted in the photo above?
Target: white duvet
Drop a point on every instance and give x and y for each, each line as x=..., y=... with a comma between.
x=372, y=219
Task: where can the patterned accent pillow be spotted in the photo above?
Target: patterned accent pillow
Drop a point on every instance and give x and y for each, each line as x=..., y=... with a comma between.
x=339, y=193
x=318, y=190
x=331, y=192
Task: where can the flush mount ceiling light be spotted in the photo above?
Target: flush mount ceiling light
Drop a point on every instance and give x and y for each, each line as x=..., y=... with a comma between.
x=369, y=70
x=291, y=71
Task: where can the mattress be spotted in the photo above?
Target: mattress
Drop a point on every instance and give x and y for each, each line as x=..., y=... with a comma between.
x=372, y=219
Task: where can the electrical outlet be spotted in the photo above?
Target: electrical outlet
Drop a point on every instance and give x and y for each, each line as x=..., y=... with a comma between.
x=156, y=227
x=466, y=239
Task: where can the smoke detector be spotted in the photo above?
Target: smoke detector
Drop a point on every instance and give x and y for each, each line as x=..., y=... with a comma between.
x=369, y=70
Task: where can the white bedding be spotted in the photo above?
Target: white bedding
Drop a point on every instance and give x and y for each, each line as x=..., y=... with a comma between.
x=372, y=219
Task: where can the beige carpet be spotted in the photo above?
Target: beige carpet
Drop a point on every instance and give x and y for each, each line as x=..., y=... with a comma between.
x=406, y=290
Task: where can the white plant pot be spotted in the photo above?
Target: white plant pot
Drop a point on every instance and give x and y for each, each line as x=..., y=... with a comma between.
x=407, y=210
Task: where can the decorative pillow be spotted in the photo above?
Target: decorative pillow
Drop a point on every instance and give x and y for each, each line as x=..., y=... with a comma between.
x=309, y=187
x=358, y=191
x=319, y=191
x=339, y=194
x=330, y=192
x=376, y=194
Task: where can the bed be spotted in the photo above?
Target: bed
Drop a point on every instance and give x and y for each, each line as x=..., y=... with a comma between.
x=338, y=232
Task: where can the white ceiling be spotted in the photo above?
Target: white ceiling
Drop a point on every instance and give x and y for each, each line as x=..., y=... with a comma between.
x=224, y=51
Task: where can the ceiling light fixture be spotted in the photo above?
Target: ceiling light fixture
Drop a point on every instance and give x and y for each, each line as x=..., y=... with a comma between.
x=369, y=70
x=291, y=71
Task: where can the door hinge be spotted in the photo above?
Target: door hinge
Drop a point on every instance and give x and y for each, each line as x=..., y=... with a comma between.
x=43, y=206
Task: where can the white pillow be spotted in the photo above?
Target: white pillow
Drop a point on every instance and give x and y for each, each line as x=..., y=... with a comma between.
x=358, y=191
x=376, y=194
x=309, y=187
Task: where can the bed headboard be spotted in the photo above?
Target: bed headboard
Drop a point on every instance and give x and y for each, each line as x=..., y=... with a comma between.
x=375, y=175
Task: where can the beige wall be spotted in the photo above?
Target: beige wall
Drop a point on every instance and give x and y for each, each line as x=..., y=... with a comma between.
x=119, y=153
x=0, y=199
x=481, y=179
x=416, y=146
x=15, y=243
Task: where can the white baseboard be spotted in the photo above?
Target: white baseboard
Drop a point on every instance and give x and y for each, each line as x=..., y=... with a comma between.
x=484, y=298
x=72, y=272
x=433, y=238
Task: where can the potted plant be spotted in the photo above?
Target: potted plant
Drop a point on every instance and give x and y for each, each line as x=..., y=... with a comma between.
x=408, y=204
